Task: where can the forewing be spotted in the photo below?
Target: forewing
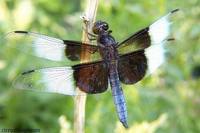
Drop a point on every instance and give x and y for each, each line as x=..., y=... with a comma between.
x=51, y=48
x=92, y=77
x=74, y=49
x=156, y=33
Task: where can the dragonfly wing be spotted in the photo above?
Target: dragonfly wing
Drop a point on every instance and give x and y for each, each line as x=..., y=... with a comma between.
x=91, y=78
x=155, y=34
x=55, y=80
x=132, y=67
x=52, y=48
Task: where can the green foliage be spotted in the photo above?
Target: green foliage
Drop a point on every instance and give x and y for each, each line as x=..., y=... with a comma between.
x=167, y=101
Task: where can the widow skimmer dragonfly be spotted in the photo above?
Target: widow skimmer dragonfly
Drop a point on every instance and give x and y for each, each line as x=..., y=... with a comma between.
x=126, y=62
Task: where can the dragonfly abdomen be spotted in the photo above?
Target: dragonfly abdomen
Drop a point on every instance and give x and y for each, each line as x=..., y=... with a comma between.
x=118, y=95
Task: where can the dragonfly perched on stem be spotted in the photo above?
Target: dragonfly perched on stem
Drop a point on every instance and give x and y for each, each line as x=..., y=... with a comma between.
x=112, y=63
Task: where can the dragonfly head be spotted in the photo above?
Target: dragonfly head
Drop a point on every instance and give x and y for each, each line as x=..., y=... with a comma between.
x=100, y=27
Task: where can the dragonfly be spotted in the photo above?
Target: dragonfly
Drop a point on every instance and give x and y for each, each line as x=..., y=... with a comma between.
x=113, y=63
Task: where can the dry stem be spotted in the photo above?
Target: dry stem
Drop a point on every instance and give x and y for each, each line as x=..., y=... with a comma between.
x=80, y=100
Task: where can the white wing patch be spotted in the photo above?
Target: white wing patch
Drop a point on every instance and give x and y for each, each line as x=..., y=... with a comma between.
x=41, y=45
x=59, y=80
x=49, y=49
x=159, y=30
x=155, y=57
x=54, y=80
x=56, y=40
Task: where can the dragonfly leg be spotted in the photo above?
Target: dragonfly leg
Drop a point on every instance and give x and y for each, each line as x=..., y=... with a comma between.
x=90, y=36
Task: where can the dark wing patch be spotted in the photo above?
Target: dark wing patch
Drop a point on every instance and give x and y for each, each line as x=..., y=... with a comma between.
x=132, y=67
x=92, y=77
x=74, y=49
x=140, y=39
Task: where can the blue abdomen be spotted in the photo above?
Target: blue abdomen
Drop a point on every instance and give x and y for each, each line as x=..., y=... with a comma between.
x=118, y=95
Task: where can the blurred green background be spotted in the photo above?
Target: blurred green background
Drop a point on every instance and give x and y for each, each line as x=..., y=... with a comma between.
x=166, y=102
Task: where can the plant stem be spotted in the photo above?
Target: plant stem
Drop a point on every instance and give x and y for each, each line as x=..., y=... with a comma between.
x=80, y=99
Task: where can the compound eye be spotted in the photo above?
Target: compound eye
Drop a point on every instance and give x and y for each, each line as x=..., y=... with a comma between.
x=105, y=26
